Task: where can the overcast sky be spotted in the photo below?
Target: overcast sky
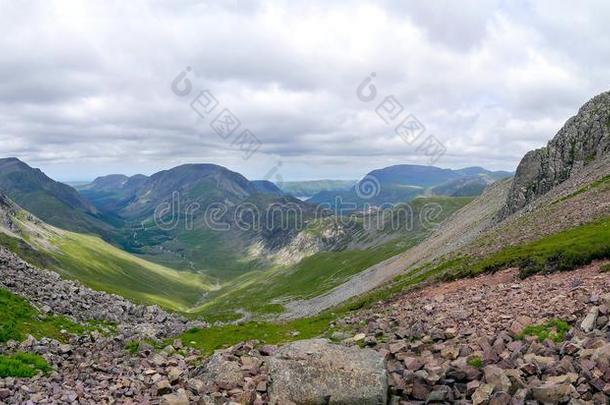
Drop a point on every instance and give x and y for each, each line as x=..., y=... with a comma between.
x=85, y=87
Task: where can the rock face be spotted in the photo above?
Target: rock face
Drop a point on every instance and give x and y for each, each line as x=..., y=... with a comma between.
x=583, y=138
x=318, y=372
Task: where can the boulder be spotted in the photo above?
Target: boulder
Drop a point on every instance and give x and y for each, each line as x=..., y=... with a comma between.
x=179, y=398
x=495, y=376
x=319, y=372
x=552, y=392
x=588, y=324
x=482, y=395
x=221, y=372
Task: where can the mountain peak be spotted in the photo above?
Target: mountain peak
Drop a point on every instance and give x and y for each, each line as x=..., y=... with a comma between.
x=583, y=138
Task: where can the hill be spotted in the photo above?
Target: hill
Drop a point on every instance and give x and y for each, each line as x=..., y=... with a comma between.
x=53, y=202
x=306, y=189
x=544, y=229
x=402, y=183
x=94, y=262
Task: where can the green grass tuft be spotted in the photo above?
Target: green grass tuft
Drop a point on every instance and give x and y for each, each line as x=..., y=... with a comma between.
x=132, y=346
x=554, y=329
x=210, y=339
x=604, y=268
x=22, y=365
x=475, y=361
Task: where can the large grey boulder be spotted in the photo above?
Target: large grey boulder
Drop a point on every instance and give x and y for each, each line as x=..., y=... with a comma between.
x=319, y=372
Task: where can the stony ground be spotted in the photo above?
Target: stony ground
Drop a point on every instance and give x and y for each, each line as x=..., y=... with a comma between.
x=459, y=341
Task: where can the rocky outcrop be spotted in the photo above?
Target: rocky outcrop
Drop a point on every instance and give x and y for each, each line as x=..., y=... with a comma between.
x=584, y=138
x=319, y=372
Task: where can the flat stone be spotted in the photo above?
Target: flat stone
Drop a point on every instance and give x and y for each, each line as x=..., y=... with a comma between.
x=319, y=372
x=550, y=392
x=482, y=395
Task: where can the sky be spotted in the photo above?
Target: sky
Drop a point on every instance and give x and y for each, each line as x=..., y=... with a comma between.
x=318, y=87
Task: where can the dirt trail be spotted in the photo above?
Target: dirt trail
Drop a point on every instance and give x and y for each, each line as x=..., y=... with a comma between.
x=461, y=228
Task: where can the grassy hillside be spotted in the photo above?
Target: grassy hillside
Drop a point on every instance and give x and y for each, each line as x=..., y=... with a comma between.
x=566, y=250
x=104, y=267
x=55, y=203
x=263, y=291
x=100, y=265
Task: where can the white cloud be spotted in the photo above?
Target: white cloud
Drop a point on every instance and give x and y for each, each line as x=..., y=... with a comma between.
x=85, y=86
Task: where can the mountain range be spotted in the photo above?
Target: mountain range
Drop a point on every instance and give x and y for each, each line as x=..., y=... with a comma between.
x=163, y=220
x=253, y=247
x=402, y=183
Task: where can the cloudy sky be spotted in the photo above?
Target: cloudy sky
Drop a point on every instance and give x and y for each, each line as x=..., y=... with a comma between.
x=86, y=87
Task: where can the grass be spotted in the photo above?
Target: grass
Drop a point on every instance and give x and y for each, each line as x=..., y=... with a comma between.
x=562, y=251
x=213, y=338
x=475, y=361
x=22, y=365
x=604, y=268
x=132, y=346
x=554, y=329
x=261, y=291
x=101, y=266
x=19, y=319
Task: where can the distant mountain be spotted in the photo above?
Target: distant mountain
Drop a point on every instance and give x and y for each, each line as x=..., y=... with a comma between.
x=308, y=188
x=402, y=183
x=56, y=203
x=479, y=171
x=268, y=187
x=200, y=183
x=111, y=193
x=173, y=217
x=470, y=186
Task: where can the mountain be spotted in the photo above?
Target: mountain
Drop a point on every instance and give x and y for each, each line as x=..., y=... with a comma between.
x=198, y=217
x=306, y=189
x=464, y=186
x=53, y=202
x=554, y=215
x=111, y=193
x=402, y=183
x=584, y=138
x=479, y=171
x=94, y=262
x=267, y=187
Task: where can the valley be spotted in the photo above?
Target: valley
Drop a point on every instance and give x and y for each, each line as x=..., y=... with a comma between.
x=497, y=296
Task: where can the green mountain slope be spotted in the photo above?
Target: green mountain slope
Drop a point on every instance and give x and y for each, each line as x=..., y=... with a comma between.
x=96, y=263
x=165, y=218
x=262, y=292
x=53, y=202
